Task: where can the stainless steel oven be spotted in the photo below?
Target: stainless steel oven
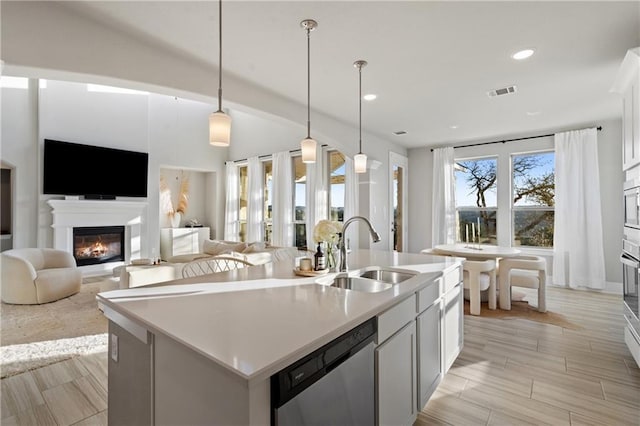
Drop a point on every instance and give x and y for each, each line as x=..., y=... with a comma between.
x=630, y=259
x=632, y=204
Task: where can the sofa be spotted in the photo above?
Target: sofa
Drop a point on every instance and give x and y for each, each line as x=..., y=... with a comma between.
x=38, y=275
x=257, y=253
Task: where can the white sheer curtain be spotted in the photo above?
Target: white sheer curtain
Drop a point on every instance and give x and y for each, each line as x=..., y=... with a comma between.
x=443, y=198
x=316, y=196
x=231, y=205
x=351, y=199
x=255, y=202
x=282, y=234
x=578, y=258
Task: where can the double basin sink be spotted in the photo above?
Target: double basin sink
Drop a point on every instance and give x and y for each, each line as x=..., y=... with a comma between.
x=369, y=280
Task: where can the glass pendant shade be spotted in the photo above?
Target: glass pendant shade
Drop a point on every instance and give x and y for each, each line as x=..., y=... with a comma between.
x=219, y=129
x=360, y=163
x=308, y=148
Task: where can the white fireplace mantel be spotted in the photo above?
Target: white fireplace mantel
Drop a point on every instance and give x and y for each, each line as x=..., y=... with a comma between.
x=69, y=214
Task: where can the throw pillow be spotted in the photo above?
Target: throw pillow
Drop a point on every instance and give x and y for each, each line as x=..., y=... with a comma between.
x=215, y=248
x=258, y=246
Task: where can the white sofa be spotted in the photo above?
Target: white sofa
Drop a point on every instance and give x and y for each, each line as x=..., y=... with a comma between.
x=38, y=275
x=257, y=253
x=254, y=253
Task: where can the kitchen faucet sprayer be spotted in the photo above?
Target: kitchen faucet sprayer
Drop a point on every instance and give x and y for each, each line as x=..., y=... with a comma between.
x=375, y=237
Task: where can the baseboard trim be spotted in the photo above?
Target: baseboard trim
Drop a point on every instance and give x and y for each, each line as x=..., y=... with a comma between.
x=610, y=287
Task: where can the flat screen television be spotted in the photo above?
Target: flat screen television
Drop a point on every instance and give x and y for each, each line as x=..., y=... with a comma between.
x=93, y=171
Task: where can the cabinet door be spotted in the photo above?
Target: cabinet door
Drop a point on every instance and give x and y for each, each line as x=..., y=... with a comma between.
x=452, y=326
x=396, y=378
x=429, y=353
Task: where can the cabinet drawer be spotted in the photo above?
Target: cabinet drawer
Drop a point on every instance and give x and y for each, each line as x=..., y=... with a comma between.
x=428, y=295
x=451, y=279
x=395, y=318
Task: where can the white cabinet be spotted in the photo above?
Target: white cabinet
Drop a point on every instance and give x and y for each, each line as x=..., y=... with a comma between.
x=627, y=84
x=396, y=378
x=176, y=241
x=452, y=331
x=428, y=330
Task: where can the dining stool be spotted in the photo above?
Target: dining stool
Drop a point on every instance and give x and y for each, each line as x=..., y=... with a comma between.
x=522, y=271
x=480, y=275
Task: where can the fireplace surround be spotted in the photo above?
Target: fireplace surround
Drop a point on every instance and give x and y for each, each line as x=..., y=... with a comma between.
x=131, y=215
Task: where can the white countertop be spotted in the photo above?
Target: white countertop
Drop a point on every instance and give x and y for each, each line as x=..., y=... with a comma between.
x=256, y=321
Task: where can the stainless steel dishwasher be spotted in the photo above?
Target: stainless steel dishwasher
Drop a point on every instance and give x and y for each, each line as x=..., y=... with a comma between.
x=332, y=386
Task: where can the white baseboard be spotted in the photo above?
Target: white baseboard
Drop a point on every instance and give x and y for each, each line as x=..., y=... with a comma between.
x=609, y=287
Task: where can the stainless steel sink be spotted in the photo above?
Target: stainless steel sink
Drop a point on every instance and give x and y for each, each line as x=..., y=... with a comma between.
x=360, y=284
x=387, y=275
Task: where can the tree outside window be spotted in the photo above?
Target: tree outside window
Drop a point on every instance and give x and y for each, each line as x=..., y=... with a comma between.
x=476, y=202
x=243, y=175
x=336, y=186
x=533, y=199
x=299, y=201
x=267, y=182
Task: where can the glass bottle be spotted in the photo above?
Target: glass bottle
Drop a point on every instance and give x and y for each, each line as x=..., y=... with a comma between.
x=320, y=261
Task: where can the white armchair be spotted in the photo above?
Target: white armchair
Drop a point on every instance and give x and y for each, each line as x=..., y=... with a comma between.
x=522, y=271
x=38, y=275
x=480, y=276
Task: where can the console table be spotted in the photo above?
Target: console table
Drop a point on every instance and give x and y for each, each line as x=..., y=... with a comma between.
x=175, y=241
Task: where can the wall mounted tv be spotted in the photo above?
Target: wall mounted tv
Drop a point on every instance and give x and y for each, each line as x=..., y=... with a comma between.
x=93, y=171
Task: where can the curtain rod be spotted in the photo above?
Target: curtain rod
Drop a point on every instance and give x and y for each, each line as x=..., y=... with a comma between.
x=269, y=155
x=509, y=140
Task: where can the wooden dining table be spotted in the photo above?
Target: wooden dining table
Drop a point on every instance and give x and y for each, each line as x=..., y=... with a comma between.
x=475, y=251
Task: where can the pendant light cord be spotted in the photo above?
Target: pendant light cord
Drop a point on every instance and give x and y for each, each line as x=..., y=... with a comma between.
x=220, y=56
x=360, y=107
x=308, y=83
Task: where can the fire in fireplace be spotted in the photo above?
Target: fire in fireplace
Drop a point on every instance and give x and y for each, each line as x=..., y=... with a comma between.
x=98, y=244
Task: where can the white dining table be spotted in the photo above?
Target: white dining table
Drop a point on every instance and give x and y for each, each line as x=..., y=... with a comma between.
x=474, y=251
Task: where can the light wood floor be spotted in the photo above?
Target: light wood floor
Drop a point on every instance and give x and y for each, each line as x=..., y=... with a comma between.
x=511, y=372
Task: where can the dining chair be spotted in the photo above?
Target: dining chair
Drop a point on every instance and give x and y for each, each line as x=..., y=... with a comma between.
x=522, y=271
x=211, y=265
x=478, y=276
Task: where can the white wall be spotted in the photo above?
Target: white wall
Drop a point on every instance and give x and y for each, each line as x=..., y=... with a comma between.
x=611, y=177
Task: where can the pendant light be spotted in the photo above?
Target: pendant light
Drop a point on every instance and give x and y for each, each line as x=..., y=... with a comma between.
x=308, y=145
x=219, y=122
x=360, y=159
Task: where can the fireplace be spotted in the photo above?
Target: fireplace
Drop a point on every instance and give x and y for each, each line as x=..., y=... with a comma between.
x=98, y=244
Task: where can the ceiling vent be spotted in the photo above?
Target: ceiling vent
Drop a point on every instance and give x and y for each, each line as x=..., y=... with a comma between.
x=499, y=92
x=400, y=133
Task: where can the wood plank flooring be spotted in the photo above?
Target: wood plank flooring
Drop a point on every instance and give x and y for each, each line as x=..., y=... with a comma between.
x=510, y=372
x=520, y=372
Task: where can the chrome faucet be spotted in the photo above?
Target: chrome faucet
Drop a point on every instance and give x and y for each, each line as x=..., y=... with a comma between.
x=341, y=245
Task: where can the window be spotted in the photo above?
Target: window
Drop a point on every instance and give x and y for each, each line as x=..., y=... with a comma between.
x=476, y=200
x=336, y=186
x=267, y=180
x=243, y=174
x=533, y=199
x=299, y=201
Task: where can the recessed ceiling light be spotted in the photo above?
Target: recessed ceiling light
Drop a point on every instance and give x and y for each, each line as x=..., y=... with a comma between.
x=533, y=113
x=453, y=126
x=522, y=54
x=369, y=97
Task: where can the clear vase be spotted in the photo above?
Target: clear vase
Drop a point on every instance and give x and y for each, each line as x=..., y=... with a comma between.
x=331, y=256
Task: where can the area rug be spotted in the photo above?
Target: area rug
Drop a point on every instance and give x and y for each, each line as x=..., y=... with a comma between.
x=37, y=335
x=522, y=310
x=20, y=358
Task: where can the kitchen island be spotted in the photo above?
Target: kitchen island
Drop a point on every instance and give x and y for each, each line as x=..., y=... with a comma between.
x=203, y=349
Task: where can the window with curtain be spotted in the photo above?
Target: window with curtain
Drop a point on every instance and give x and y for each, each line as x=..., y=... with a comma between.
x=336, y=185
x=243, y=177
x=299, y=201
x=476, y=199
x=533, y=185
x=267, y=167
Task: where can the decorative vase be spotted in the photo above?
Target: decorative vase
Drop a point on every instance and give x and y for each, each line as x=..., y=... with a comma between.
x=331, y=256
x=175, y=220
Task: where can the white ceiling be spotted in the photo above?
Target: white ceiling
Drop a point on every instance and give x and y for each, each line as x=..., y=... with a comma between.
x=430, y=63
